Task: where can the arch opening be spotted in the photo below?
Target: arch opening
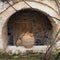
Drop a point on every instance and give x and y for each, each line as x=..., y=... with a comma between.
x=33, y=21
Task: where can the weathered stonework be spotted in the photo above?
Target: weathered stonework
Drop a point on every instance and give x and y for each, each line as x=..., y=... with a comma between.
x=48, y=7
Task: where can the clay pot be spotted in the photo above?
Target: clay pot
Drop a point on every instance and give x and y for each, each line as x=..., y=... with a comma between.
x=28, y=40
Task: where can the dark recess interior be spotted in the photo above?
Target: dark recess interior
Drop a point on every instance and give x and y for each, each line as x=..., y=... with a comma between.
x=30, y=20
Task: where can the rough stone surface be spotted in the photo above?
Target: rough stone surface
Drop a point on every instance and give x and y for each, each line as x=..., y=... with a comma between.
x=48, y=7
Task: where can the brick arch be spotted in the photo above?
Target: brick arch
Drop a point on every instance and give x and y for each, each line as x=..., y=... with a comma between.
x=21, y=5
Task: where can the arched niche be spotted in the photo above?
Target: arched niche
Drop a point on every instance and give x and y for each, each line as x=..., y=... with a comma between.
x=21, y=5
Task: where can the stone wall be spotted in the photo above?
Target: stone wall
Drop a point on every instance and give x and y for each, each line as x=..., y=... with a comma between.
x=48, y=7
x=50, y=3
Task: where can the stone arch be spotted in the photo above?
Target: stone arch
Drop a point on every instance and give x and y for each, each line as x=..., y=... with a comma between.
x=21, y=5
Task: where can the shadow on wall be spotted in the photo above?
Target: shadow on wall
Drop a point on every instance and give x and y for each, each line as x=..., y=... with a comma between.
x=33, y=21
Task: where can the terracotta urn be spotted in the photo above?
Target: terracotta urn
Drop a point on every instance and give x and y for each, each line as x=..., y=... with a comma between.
x=28, y=40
